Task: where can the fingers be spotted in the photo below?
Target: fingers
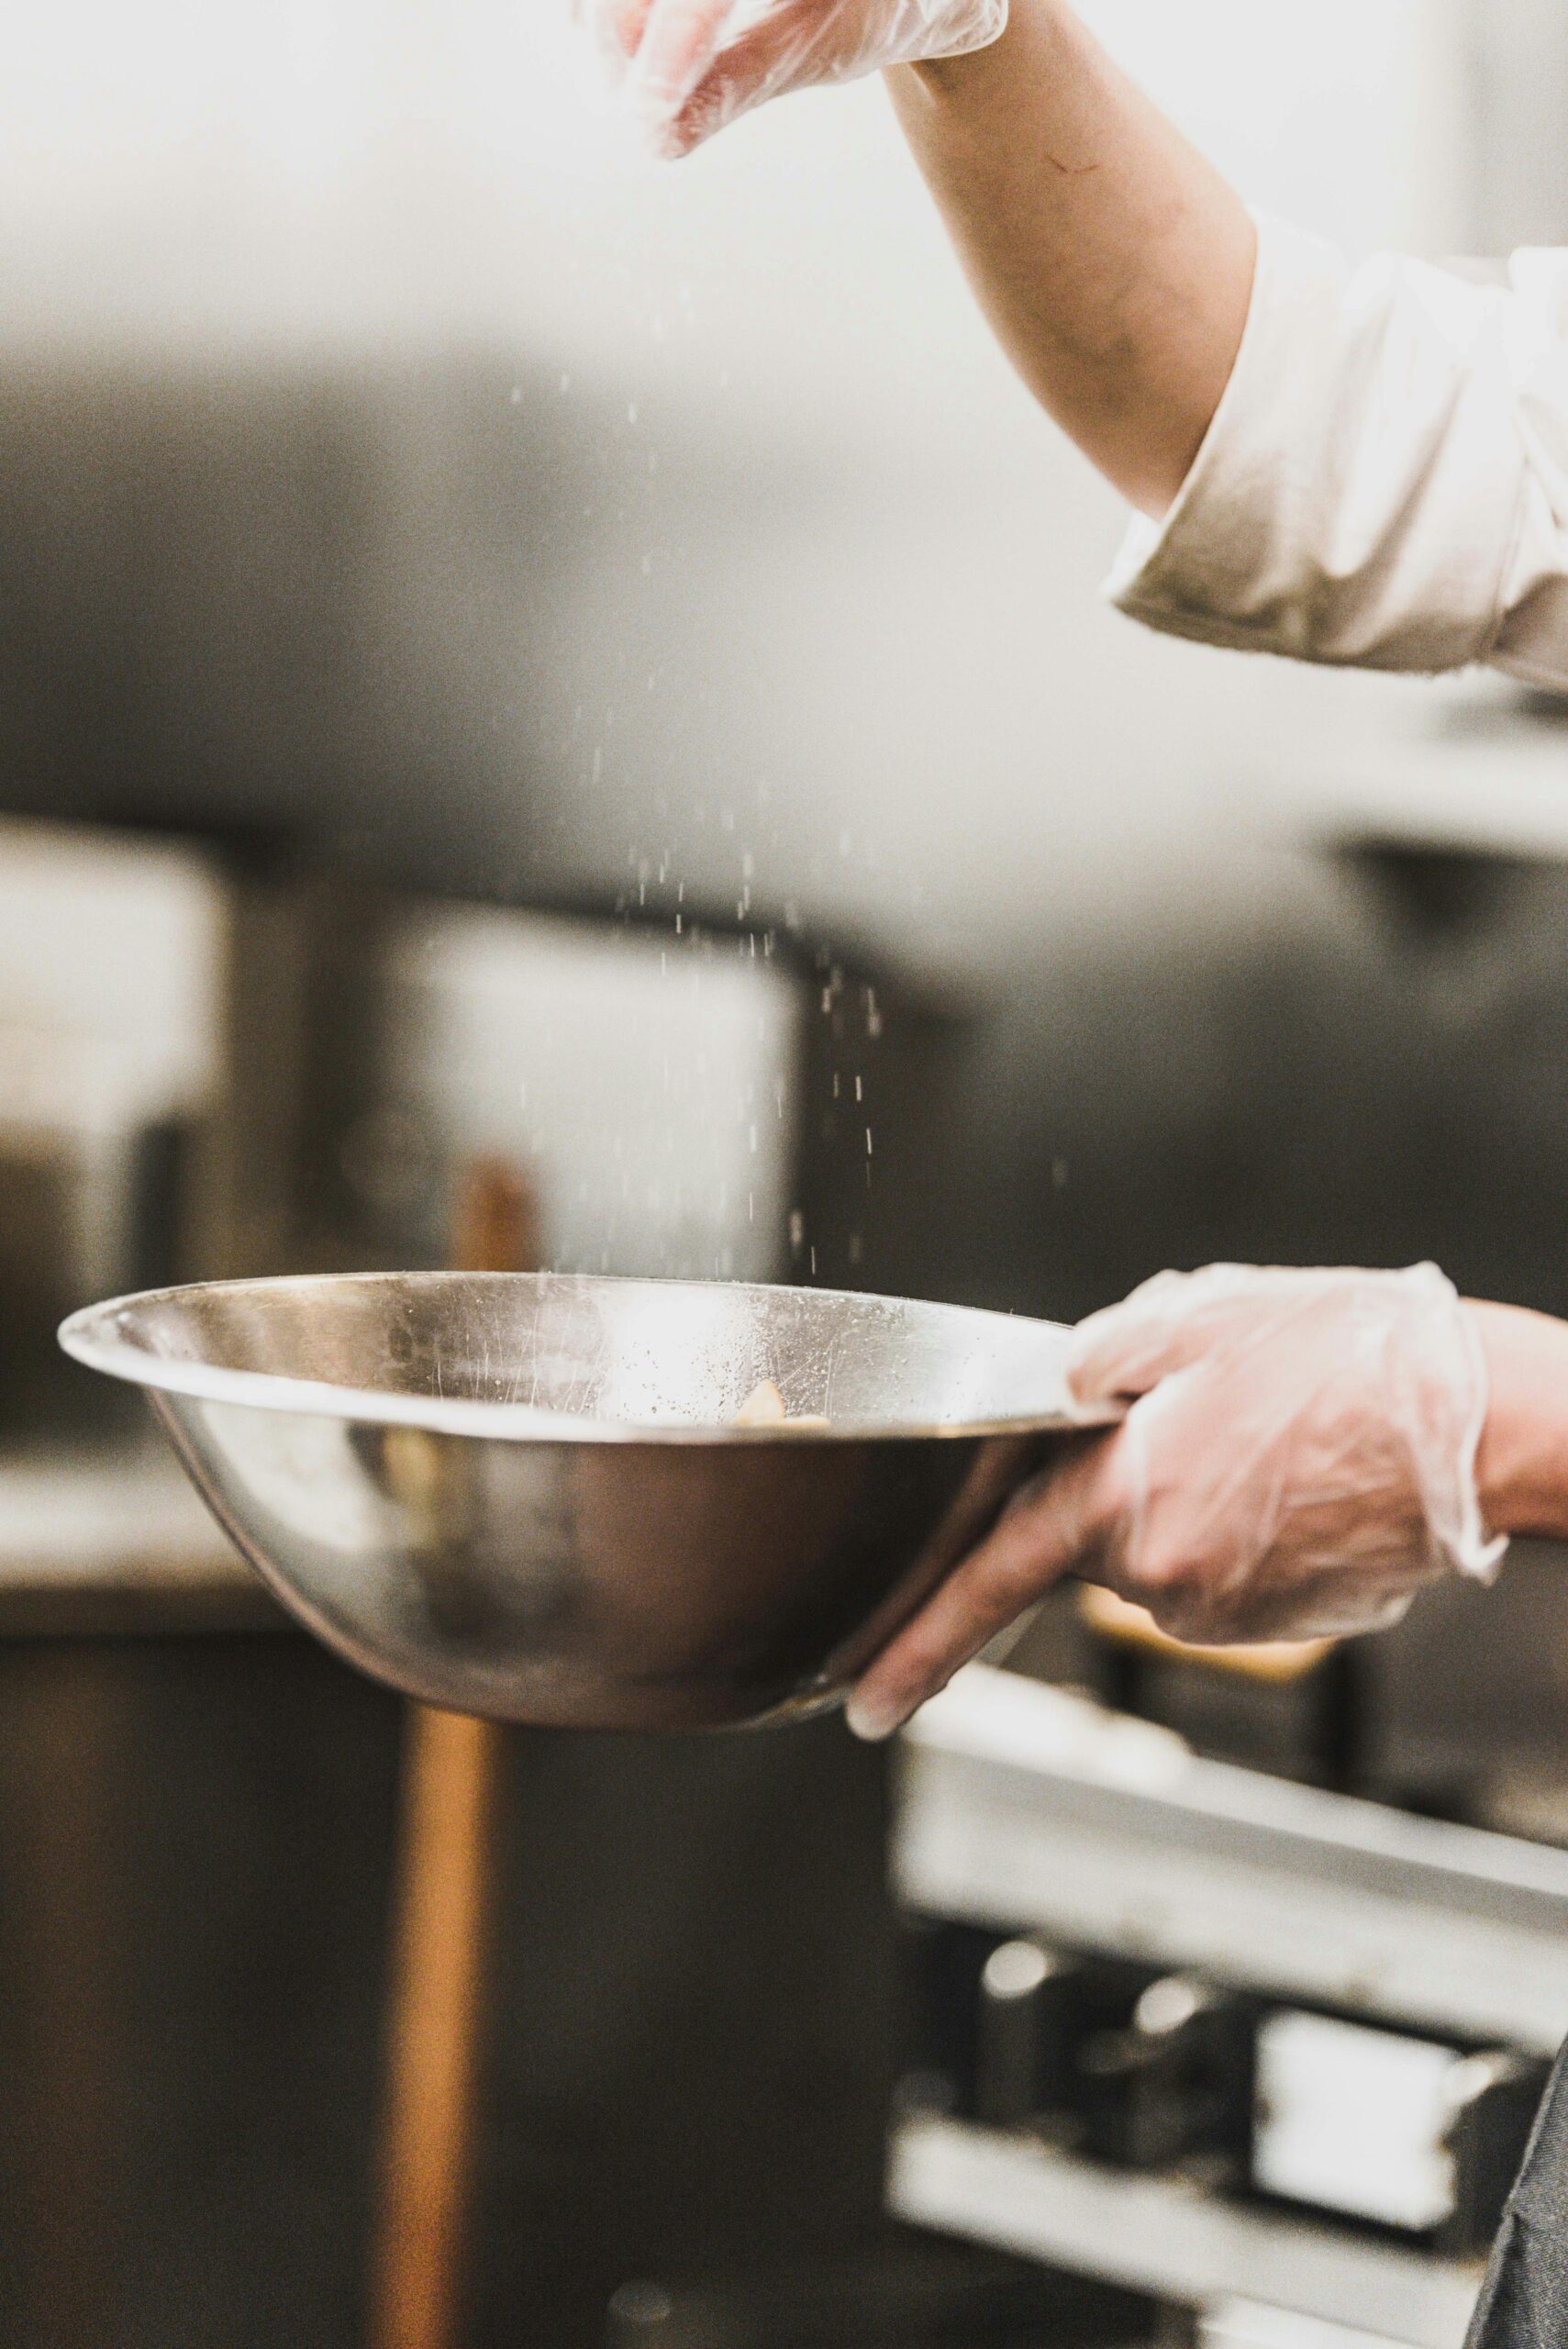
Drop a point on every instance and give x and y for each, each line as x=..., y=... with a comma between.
x=628, y=22
x=1055, y=1524
x=695, y=64
x=616, y=25
x=615, y=30
x=677, y=43
x=755, y=64
x=711, y=104
x=767, y=47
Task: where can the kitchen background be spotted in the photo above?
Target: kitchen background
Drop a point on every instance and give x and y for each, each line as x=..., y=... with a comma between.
x=515, y=654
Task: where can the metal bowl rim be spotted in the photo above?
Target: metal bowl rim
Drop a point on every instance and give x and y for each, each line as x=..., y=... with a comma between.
x=455, y=1415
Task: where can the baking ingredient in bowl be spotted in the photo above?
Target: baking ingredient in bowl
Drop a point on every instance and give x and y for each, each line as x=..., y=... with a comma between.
x=765, y=1408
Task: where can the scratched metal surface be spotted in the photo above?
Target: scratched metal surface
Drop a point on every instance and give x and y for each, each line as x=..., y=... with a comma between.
x=520, y=1495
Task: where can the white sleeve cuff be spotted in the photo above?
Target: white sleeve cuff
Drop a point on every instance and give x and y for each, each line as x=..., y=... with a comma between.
x=1356, y=499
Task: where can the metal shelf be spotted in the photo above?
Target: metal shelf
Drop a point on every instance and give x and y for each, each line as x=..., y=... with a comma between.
x=1025, y=1806
x=1158, y=2235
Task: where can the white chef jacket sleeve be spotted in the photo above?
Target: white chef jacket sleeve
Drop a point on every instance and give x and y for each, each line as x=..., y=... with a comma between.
x=1385, y=483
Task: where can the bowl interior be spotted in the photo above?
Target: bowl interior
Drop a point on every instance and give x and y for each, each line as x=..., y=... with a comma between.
x=606, y=1354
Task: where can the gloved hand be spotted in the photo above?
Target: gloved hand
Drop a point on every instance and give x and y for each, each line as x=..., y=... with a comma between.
x=687, y=67
x=1297, y=1457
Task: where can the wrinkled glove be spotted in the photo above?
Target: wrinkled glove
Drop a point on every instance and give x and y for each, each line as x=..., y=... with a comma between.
x=1300, y=1446
x=1296, y=1457
x=685, y=68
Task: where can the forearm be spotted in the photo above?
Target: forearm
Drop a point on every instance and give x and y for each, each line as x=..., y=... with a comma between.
x=1521, y=1469
x=1114, y=263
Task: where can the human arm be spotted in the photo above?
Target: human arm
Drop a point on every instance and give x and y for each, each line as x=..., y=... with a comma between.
x=1300, y=1453
x=1521, y=1467
x=1112, y=260
x=1380, y=475
x=1114, y=263
x=1364, y=465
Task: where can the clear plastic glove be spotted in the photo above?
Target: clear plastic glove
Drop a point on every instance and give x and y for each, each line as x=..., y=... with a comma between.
x=1297, y=1457
x=685, y=68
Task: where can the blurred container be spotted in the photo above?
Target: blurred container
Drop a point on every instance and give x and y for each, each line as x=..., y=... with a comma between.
x=650, y=1083
x=158, y=1002
x=1409, y=2133
x=109, y=952
x=1133, y=2066
x=1174, y=2083
x=90, y=1156
x=1029, y=2002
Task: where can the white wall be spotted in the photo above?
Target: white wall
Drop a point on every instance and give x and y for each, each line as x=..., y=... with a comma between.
x=832, y=605
x=342, y=163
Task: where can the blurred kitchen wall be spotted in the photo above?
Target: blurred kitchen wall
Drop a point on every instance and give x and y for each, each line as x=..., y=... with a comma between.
x=393, y=450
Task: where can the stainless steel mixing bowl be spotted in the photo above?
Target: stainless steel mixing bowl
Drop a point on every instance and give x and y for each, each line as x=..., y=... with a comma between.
x=518, y=1495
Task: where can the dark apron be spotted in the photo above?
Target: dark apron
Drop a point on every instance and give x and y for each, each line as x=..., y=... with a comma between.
x=1524, y=2301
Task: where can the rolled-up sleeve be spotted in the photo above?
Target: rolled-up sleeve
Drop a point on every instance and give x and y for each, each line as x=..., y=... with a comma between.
x=1385, y=483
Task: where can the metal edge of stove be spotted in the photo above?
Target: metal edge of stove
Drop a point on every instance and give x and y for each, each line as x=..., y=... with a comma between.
x=1028, y=1808
x=1156, y=2235
x=1234, y=2322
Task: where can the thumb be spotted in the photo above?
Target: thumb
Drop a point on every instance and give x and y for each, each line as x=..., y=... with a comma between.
x=1052, y=1525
